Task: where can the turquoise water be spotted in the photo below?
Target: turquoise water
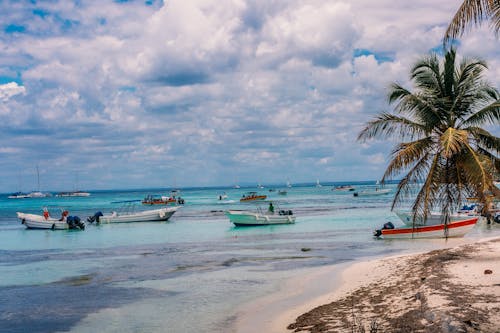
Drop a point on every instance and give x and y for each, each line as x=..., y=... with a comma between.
x=189, y=274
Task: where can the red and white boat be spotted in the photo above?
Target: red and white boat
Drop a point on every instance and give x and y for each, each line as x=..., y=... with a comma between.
x=452, y=229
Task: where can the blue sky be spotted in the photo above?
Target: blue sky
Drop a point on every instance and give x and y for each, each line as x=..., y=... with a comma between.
x=133, y=94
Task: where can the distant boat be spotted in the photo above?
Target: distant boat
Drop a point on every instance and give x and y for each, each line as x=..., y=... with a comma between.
x=288, y=184
x=318, y=184
x=344, y=188
x=375, y=192
x=161, y=200
x=260, y=186
x=282, y=192
x=236, y=186
x=222, y=196
x=248, y=218
x=37, y=193
x=452, y=229
x=252, y=196
x=73, y=194
x=18, y=195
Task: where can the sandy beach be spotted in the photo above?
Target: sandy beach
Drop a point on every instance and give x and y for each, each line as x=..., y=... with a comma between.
x=455, y=289
x=449, y=290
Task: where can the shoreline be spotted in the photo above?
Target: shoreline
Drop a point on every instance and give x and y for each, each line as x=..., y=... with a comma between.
x=415, y=289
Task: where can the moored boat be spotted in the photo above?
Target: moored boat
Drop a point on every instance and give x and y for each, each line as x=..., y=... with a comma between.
x=248, y=218
x=252, y=196
x=346, y=188
x=452, y=229
x=153, y=215
x=376, y=191
x=432, y=219
x=18, y=195
x=162, y=200
x=73, y=194
x=34, y=221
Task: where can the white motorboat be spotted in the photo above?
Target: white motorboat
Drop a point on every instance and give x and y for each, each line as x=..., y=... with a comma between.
x=34, y=221
x=374, y=192
x=344, y=188
x=248, y=218
x=432, y=219
x=452, y=229
x=153, y=215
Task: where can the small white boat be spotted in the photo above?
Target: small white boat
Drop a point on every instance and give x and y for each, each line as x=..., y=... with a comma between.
x=282, y=192
x=34, y=221
x=248, y=218
x=452, y=229
x=222, y=196
x=344, y=188
x=369, y=193
x=318, y=184
x=38, y=194
x=153, y=215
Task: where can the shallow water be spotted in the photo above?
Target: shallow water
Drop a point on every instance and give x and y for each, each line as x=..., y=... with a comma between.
x=186, y=275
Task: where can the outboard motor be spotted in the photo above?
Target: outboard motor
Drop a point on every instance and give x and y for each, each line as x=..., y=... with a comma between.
x=387, y=225
x=95, y=217
x=74, y=222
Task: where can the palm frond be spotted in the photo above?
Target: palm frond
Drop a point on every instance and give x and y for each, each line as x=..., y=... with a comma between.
x=453, y=141
x=490, y=113
x=387, y=124
x=405, y=155
x=471, y=12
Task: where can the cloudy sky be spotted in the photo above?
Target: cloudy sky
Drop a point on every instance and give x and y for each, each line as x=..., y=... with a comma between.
x=131, y=94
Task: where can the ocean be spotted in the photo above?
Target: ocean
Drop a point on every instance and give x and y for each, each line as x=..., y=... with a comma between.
x=190, y=274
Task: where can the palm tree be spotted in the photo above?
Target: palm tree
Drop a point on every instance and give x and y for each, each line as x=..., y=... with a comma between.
x=474, y=12
x=444, y=147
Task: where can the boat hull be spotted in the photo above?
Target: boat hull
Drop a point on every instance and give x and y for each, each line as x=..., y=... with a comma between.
x=155, y=215
x=32, y=221
x=454, y=229
x=245, y=218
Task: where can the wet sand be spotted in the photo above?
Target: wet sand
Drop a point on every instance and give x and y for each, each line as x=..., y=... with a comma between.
x=448, y=290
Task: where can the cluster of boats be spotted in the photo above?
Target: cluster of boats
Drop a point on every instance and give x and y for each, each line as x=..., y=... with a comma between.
x=38, y=194
x=434, y=226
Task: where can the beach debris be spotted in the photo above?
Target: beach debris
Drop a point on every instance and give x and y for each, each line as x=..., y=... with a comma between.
x=488, y=271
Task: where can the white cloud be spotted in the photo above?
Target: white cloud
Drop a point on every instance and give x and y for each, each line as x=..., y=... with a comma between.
x=10, y=89
x=221, y=85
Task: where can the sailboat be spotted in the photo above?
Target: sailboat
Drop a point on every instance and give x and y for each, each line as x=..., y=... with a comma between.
x=318, y=184
x=75, y=193
x=288, y=184
x=37, y=193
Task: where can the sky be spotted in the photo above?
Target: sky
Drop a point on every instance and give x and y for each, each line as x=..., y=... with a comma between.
x=139, y=94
